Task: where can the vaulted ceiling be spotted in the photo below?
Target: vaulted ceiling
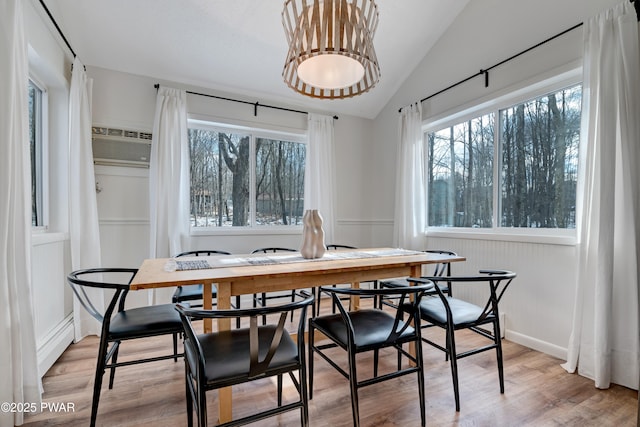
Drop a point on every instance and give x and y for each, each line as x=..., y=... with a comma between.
x=239, y=46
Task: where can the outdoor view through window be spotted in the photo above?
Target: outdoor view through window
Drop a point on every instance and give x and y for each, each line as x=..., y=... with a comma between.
x=537, y=155
x=240, y=179
x=35, y=141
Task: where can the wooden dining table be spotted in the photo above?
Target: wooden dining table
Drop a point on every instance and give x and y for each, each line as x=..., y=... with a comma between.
x=257, y=273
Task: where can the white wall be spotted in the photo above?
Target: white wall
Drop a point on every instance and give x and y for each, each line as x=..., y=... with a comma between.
x=128, y=101
x=540, y=303
x=52, y=298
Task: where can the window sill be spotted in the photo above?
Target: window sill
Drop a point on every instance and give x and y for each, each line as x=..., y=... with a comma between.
x=246, y=231
x=546, y=237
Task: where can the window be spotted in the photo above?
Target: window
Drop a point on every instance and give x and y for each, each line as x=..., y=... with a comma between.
x=245, y=177
x=37, y=131
x=534, y=147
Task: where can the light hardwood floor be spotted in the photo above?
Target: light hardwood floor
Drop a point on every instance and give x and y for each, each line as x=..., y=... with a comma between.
x=538, y=392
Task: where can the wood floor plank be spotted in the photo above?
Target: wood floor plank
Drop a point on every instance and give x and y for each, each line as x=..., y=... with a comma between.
x=538, y=392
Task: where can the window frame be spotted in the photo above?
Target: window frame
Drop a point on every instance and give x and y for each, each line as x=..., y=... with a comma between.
x=42, y=154
x=507, y=98
x=254, y=133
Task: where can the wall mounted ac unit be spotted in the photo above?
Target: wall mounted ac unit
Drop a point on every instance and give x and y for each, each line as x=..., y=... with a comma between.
x=120, y=147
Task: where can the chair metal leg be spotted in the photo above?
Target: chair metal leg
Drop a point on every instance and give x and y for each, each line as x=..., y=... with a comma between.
x=311, y=352
x=314, y=311
x=302, y=374
x=334, y=307
x=451, y=345
x=376, y=353
x=237, y=307
x=353, y=384
x=97, y=382
x=202, y=407
x=114, y=359
x=293, y=299
x=420, y=372
x=175, y=347
x=189, y=396
x=498, y=341
x=279, y=381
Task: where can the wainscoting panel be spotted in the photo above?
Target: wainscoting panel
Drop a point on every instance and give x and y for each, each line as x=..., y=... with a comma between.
x=52, y=298
x=538, y=307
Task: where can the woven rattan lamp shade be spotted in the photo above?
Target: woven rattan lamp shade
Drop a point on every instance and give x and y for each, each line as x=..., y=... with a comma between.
x=331, y=52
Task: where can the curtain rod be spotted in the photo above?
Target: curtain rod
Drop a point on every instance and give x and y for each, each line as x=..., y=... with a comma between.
x=255, y=104
x=635, y=3
x=46, y=9
x=485, y=72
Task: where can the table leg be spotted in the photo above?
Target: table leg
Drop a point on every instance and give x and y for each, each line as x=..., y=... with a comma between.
x=355, y=299
x=207, y=304
x=225, y=408
x=415, y=272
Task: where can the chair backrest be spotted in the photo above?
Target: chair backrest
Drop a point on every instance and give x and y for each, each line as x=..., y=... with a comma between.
x=334, y=247
x=117, y=279
x=498, y=280
x=203, y=252
x=272, y=250
x=257, y=367
x=442, y=268
x=405, y=305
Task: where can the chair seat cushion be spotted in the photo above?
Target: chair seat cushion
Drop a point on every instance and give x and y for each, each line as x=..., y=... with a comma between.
x=463, y=313
x=145, y=321
x=191, y=293
x=227, y=354
x=371, y=328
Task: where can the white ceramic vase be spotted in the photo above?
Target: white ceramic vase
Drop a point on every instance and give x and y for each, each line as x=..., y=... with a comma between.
x=312, y=235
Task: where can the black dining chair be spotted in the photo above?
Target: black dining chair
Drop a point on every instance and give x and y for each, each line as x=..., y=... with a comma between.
x=439, y=269
x=332, y=247
x=221, y=359
x=194, y=292
x=374, y=283
x=120, y=324
x=370, y=330
x=454, y=314
x=262, y=298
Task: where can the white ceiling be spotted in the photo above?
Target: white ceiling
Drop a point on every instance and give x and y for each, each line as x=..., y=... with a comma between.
x=239, y=46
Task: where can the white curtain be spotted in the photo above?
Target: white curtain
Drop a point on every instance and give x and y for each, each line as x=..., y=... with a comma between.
x=84, y=231
x=319, y=177
x=409, y=223
x=604, y=341
x=18, y=359
x=169, y=176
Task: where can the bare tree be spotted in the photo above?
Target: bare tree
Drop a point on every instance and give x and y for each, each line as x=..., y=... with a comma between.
x=236, y=157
